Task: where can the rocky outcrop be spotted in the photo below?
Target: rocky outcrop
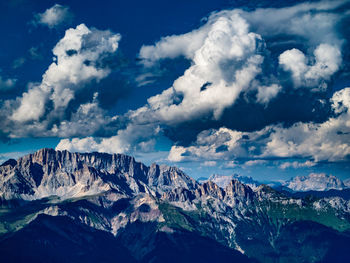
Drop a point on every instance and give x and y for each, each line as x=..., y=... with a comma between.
x=165, y=178
x=179, y=195
x=224, y=180
x=210, y=189
x=236, y=189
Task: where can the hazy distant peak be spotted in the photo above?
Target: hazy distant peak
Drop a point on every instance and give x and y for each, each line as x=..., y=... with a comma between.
x=224, y=180
x=315, y=182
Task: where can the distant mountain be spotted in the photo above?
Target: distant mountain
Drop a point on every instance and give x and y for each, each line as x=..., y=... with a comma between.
x=224, y=180
x=59, y=206
x=314, y=182
x=344, y=194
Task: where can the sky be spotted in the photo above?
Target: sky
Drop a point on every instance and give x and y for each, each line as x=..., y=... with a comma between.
x=257, y=88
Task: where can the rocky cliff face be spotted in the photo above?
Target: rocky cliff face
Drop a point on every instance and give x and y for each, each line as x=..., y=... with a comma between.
x=60, y=173
x=140, y=206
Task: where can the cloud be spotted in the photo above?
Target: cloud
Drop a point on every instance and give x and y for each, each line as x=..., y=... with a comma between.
x=234, y=54
x=17, y=63
x=77, y=58
x=327, y=61
x=61, y=104
x=7, y=84
x=54, y=16
x=174, y=46
x=87, y=144
x=11, y=155
x=210, y=144
x=326, y=141
x=254, y=162
x=265, y=94
x=226, y=57
x=231, y=164
x=132, y=139
x=255, y=58
x=341, y=102
x=88, y=118
x=223, y=66
x=34, y=53
x=147, y=78
x=177, y=154
x=314, y=22
x=296, y=164
x=209, y=163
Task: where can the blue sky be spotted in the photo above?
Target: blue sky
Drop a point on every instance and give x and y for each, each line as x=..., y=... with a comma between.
x=250, y=87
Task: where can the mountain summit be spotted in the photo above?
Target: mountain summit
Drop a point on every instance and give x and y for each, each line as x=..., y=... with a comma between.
x=48, y=173
x=315, y=182
x=118, y=209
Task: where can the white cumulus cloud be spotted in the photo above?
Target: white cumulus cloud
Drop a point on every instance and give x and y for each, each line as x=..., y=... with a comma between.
x=225, y=59
x=266, y=93
x=53, y=16
x=227, y=56
x=296, y=164
x=76, y=63
x=132, y=139
x=327, y=141
x=327, y=61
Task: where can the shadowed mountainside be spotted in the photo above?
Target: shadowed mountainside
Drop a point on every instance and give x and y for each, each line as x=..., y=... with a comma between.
x=102, y=207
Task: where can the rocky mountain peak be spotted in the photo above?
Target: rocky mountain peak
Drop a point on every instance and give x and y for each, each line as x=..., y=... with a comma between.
x=315, y=182
x=165, y=178
x=178, y=195
x=116, y=194
x=236, y=189
x=10, y=162
x=267, y=192
x=100, y=161
x=210, y=188
x=48, y=172
x=224, y=180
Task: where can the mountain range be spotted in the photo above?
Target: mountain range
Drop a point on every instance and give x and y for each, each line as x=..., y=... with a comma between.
x=95, y=207
x=224, y=180
x=315, y=182
x=320, y=182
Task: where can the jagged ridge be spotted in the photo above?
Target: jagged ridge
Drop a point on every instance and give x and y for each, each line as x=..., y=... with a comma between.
x=138, y=204
x=48, y=172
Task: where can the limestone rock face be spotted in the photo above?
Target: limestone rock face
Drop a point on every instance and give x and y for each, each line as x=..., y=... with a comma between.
x=164, y=178
x=210, y=189
x=236, y=189
x=61, y=173
x=140, y=205
x=224, y=180
x=179, y=195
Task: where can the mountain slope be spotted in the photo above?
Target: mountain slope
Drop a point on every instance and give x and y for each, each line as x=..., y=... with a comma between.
x=61, y=239
x=158, y=214
x=48, y=172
